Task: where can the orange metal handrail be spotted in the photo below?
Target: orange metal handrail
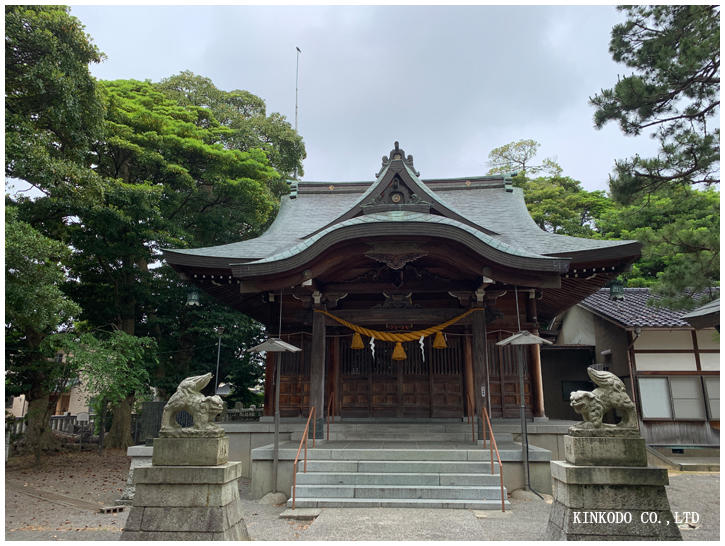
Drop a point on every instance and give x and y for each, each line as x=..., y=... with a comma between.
x=303, y=440
x=492, y=446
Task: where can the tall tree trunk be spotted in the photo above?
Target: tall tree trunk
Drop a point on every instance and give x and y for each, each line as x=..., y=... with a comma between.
x=38, y=435
x=119, y=435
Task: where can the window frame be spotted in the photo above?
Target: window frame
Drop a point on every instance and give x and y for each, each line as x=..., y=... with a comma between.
x=704, y=398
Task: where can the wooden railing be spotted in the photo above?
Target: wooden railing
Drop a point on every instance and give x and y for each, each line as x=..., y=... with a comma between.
x=303, y=441
x=486, y=422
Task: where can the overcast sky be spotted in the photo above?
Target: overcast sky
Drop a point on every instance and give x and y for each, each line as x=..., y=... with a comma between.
x=449, y=83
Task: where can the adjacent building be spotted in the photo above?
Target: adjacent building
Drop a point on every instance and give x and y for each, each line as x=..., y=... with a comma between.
x=671, y=368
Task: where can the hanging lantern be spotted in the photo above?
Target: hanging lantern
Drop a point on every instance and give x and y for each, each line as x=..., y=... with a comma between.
x=439, y=342
x=616, y=290
x=357, y=342
x=399, y=352
x=192, y=298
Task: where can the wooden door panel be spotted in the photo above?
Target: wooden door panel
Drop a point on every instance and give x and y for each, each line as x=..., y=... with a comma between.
x=415, y=400
x=355, y=399
x=504, y=381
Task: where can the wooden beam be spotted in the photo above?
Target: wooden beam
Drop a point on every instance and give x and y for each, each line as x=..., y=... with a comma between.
x=416, y=287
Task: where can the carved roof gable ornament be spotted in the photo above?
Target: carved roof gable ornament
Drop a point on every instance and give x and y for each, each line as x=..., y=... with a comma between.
x=397, y=154
x=399, y=189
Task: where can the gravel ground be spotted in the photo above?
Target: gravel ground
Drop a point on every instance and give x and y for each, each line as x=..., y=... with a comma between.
x=59, y=499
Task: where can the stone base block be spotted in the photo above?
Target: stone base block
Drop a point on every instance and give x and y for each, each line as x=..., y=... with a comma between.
x=186, y=503
x=613, y=451
x=190, y=451
x=611, y=524
x=610, y=503
x=608, y=475
x=238, y=532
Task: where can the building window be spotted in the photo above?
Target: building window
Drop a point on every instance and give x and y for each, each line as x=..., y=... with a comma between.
x=655, y=398
x=687, y=397
x=680, y=398
x=712, y=390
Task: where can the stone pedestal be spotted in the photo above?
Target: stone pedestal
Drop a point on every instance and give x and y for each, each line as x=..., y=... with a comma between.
x=622, y=500
x=187, y=500
x=191, y=451
x=605, y=451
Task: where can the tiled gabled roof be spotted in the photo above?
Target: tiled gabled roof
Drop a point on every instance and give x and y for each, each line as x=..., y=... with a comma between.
x=487, y=204
x=633, y=310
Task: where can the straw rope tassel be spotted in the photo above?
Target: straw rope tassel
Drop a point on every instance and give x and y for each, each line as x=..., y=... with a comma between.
x=399, y=352
x=357, y=342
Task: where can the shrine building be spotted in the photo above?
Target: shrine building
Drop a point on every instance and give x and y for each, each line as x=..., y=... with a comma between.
x=398, y=289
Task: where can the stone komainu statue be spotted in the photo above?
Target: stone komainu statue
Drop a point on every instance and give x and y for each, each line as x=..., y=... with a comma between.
x=610, y=394
x=202, y=408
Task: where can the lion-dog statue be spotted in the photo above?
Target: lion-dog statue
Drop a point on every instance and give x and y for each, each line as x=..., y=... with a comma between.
x=610, y=394
x=203, y=410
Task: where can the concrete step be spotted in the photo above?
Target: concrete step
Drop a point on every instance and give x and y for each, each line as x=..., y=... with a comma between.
x=399, y=467
x=460, y=492
x=398, y=503
x=476, y=453
x=399, y=436
x=390, y=478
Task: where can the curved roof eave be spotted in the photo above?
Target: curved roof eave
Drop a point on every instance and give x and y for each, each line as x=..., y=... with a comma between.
x=405, y=224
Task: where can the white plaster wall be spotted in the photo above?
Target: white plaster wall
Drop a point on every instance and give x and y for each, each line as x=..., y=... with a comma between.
x=710, y=361
x=708, y=339
x=665, y=362
x=577, y=328
x=78, y=400
x=20, y=407
x=664, y=339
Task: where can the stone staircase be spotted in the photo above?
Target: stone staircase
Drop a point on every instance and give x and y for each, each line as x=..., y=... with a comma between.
x=413, y=465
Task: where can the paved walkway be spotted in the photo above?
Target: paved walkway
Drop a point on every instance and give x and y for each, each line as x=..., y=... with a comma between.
x=56, y=517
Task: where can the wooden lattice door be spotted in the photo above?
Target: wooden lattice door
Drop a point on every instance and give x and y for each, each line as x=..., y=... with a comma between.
x=446, y=378
x=503, y=379
x=419, y=386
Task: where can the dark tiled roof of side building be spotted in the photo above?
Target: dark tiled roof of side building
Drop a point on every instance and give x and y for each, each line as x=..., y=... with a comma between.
x=633, y=310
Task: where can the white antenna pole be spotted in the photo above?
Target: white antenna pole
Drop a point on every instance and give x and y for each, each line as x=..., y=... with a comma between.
x=297, y=79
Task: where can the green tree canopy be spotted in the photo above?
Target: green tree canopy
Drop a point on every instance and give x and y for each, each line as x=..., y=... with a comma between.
x=518, y=157
x=245, y=115
x=557, y=203
x=35, y=305
x=673, y=91
x=36, y=310
x=680, y=231
x=53, y=110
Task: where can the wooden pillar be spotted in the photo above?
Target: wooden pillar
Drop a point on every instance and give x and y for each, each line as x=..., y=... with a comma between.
x=317, y=369
x=538, y=382
x=468, y=361
x=269, y=370
x=333, y=382
x=480, y=390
